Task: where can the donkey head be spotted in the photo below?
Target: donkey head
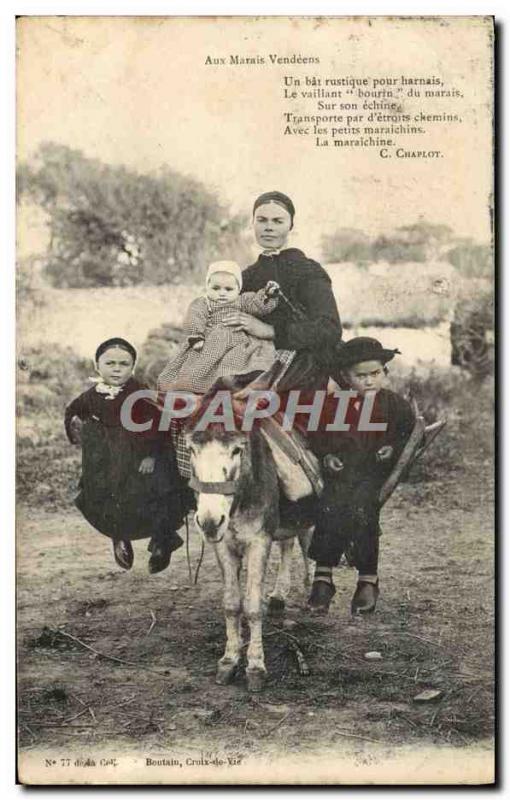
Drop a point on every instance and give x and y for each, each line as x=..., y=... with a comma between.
x=218, y=460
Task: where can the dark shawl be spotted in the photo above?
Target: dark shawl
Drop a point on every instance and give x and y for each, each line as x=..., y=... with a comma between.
x=308, y=287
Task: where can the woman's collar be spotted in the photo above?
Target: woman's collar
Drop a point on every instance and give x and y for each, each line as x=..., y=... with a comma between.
x=271, y=253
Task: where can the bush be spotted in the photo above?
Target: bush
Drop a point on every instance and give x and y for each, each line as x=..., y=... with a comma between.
x=419, y=242
x=472, y=260
x=114, y=227
x=347, y=244
x=467, y=405
x=435, y=389
x=471, y=332
x=161, y=343
x=47, y=465
x=49, y=377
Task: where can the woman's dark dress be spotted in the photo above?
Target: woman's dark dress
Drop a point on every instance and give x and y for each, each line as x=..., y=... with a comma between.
x=117, y=499
x=314, y=337
x=308, y=286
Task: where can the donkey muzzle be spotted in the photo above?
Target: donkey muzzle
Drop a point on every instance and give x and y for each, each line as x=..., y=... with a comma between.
x=211, y=526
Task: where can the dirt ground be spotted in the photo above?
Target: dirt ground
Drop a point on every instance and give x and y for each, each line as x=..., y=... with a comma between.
x=433, y=627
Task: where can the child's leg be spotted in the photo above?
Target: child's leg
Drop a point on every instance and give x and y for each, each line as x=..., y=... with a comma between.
x=365, y=549
x=161, y=548
x=327, y=547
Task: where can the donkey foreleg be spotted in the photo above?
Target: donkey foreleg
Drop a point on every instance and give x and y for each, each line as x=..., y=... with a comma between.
x=230, y=566
x=305, y=539
x=256, y=557
x=281, y=589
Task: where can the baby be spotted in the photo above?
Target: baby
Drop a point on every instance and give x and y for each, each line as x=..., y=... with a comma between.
x=214, y=350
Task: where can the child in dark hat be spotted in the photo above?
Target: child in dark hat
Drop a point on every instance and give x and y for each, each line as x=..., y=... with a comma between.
x=129, y=488
x=356, y=464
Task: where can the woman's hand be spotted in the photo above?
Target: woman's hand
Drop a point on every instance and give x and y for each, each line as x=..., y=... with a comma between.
x=272, y=289
x=147, y=465
x=241, y=321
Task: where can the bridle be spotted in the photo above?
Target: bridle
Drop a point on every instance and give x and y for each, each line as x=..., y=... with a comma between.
x=214, y=487
x=226, y=488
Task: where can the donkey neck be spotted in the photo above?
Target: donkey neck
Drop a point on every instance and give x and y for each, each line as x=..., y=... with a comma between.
x=258, y=485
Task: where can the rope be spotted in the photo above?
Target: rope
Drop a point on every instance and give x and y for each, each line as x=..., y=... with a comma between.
x=187, y=551
x=192, y=580
x=199, y=563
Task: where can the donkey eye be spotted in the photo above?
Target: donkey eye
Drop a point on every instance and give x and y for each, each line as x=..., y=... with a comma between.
x=237, y=450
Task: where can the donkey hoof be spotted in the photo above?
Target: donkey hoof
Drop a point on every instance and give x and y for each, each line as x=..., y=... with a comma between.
x=255, y=679
x=225, y=673
x=275, y=606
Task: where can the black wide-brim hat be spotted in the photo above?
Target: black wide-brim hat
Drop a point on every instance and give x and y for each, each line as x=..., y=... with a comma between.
x=362, y=348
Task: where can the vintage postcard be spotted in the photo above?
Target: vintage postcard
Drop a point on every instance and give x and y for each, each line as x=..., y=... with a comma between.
x=255, y=361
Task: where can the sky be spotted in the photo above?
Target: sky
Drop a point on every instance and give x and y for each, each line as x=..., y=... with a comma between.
x=138, y=92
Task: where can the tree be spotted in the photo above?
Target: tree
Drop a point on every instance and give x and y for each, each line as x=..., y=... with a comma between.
x=347, y=244
x=421, y=241
x=472, y=260
x=112, y=226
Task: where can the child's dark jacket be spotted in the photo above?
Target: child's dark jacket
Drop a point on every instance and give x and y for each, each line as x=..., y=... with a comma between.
x=358, y=449
x=348, y=509
x=114, y=496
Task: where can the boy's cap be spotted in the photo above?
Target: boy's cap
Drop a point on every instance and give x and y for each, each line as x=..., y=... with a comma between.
x=123, y=344
x=362, y=348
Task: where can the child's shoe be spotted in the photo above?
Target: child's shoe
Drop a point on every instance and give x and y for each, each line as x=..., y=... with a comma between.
x=365, y=597
x=321, y=596
x=161, y=549
x=123, y=553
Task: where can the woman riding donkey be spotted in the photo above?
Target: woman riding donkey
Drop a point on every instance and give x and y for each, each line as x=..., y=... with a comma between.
x=231, y=334
x=306, y=319
x=279, y=311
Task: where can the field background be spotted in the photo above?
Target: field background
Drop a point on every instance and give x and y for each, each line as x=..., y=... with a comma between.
x=107, y=657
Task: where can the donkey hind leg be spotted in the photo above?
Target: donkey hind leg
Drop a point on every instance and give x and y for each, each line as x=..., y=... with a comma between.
x=230, y=567
x=305, y=539
x=281, y=589
x=256, y=557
